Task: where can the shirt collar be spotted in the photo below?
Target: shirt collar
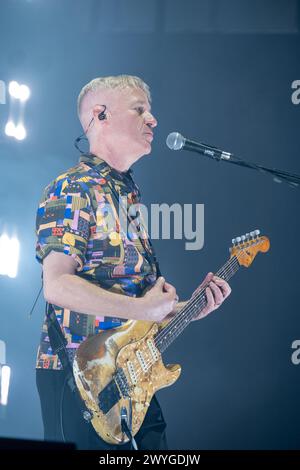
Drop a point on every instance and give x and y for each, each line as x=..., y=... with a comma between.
x=95, y=161
x=90, y=158
x=98, y=163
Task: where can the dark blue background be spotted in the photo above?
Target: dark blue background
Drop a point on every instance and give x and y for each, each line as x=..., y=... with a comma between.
x=219, y=71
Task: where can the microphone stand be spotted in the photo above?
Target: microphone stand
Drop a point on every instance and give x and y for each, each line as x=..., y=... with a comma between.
x=292, y=179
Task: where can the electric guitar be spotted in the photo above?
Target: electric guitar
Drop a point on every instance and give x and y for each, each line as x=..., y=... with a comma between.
x=118, y=371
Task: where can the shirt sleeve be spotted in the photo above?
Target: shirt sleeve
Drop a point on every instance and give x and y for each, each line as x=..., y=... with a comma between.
x=63, y=221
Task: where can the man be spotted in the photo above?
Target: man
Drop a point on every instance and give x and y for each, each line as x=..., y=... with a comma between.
x=95, y=274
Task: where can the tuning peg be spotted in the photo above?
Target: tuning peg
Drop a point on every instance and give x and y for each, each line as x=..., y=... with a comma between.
x=238, y=239
x=243, y=238
x=233, y=241
x=252, y=234
x=257, y=232
x=247, y=235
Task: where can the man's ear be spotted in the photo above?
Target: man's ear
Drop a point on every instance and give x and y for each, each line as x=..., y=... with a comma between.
x=96, y=111
x=100, y=113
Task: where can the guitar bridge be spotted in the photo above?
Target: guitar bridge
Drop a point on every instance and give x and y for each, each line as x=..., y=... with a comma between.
x=108, y=397
x=113, y=391
x=122, y=383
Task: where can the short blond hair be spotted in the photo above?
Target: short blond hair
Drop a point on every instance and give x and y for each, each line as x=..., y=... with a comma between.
x=115, y=81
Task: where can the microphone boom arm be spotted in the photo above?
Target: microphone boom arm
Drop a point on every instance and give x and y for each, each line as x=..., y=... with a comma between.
x=176, y=141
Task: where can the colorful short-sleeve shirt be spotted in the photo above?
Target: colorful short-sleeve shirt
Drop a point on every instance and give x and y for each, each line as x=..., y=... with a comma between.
x=83, y=213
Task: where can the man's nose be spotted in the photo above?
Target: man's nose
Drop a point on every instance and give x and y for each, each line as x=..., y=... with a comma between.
x=150, y=119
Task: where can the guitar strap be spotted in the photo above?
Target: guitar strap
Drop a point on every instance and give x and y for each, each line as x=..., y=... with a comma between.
x=58, y=344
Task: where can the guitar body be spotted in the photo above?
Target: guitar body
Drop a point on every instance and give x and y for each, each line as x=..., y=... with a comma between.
x=129, y=348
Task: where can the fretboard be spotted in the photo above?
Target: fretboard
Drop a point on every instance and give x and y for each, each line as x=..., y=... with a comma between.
x=177, y=325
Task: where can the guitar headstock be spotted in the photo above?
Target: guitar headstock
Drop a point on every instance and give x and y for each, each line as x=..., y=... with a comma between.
x=246, y=247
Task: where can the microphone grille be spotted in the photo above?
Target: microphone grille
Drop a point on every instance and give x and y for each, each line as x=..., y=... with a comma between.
x=175, y=141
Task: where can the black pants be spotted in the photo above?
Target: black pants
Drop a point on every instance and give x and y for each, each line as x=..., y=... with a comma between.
x=50, y=384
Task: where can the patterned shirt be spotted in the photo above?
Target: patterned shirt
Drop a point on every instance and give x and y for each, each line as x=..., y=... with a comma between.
x=83, y=214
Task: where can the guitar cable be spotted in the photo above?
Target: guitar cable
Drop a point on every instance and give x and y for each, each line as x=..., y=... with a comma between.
x=65, y=378
x=61, y=420
x=125, y=427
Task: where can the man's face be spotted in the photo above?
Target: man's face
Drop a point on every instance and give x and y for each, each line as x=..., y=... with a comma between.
x=130, y=123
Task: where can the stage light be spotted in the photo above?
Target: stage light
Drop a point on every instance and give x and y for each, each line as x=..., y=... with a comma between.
x=14, y=89
x=2, y=92
x=9, y=255
x=19, y=92
x=20, y=132
x=4, y=375
x=24, y=93
x=5, y=378
x=19, y=95
x=10, y=129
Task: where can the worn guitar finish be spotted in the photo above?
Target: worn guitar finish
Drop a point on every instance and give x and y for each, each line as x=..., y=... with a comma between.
x=118, y=371
x=98, y=359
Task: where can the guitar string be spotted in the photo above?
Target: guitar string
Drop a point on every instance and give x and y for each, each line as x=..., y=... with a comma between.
x=194, y=300
x=189, y=309
x=227, y=269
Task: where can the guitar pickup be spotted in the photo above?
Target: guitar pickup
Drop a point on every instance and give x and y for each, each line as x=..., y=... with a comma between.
x=132, y=372
x=153, y=350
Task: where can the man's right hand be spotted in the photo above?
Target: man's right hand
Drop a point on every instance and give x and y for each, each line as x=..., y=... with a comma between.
x=159, y=301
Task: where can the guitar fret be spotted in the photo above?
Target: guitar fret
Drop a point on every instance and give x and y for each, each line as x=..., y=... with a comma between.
x=175, y=327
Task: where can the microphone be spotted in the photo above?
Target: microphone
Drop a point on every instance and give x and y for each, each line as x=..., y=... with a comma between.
x=176, y=141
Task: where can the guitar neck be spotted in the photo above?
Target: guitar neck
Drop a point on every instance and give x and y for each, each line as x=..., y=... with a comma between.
x=182, y=319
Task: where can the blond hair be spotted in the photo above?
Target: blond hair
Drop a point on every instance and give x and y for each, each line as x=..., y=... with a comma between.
x=116, y=81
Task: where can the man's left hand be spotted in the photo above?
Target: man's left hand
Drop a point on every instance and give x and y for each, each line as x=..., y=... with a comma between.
x=217, y=291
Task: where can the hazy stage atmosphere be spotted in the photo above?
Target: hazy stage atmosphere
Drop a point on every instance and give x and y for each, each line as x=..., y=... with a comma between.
x=226, y=73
